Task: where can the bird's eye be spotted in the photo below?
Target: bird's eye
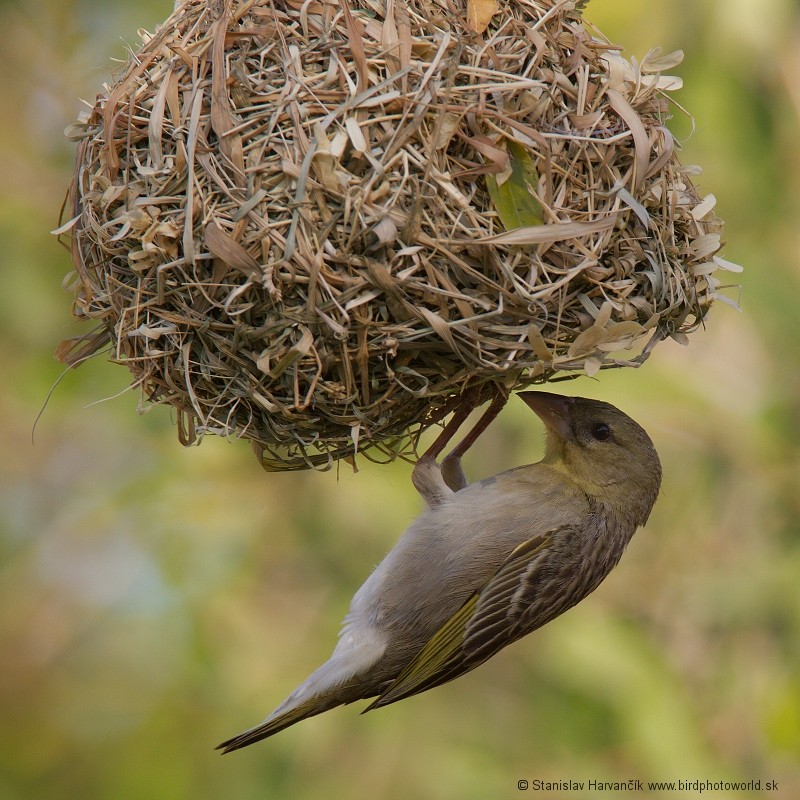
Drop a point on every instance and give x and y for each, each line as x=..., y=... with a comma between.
x=601, y=432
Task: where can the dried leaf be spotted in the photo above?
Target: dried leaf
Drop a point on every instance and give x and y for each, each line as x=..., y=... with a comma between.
x=438, y=325
x=633, y=204
x=263, y=361
x=624, y=330
x=390, y=39
x=76, y=350
x=553, y=232
x=154, y=331
x=357, y=139
x=76, y=131
x=706, y=245
x=641, y=140
x=295, y=352
x=681, y=338
x=729, y=301
x=704, y=207
x=704, y=268
x=361, y=299
x=446, y=126
x=723, y=263
x=587, y=341
x=604, y=314
x=538, y=343
x=385, y=230
x=324, y=162
x=355, y=433
x=480, y=13
x=497, y=156
x=65, y=227
x=592, y=366
x=225, y=247
x=222, y=122
x=655, y=62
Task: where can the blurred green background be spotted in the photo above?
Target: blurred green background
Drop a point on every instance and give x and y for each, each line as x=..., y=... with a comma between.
x=155, y=600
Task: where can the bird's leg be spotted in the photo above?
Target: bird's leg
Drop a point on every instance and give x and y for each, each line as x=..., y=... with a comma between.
x=436, y=483
x=427, y=475
x=451, y=469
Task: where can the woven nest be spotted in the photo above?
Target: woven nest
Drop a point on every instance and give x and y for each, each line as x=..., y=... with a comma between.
x=314, y=225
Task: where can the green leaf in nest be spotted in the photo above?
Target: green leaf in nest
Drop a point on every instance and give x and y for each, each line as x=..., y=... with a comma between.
x=513, y=192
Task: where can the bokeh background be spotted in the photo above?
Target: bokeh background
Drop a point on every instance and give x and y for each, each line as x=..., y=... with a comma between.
x=155, y=600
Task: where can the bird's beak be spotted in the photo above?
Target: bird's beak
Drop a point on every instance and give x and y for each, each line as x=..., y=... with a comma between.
x=553, y=410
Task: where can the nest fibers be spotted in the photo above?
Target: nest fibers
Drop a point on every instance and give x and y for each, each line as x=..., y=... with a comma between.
x=314, y=225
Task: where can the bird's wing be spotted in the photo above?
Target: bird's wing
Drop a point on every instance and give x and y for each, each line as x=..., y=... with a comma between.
x=509, y=605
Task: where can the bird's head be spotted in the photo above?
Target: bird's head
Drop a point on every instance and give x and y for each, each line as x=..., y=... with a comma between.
x=603, y=450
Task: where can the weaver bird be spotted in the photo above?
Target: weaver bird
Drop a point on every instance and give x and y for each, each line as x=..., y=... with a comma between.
x=486, y=563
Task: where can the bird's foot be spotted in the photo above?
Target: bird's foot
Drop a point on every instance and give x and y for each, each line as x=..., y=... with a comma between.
x=429, y=482
x=453, y=472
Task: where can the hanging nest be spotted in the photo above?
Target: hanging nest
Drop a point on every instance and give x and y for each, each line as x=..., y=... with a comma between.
x=315, y=225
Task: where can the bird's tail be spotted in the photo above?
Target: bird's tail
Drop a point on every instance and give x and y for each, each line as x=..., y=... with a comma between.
x=337, y=682
x=350, y=674
x=279, y=720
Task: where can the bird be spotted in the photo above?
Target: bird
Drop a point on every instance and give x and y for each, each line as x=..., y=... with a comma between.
x=486, y=563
